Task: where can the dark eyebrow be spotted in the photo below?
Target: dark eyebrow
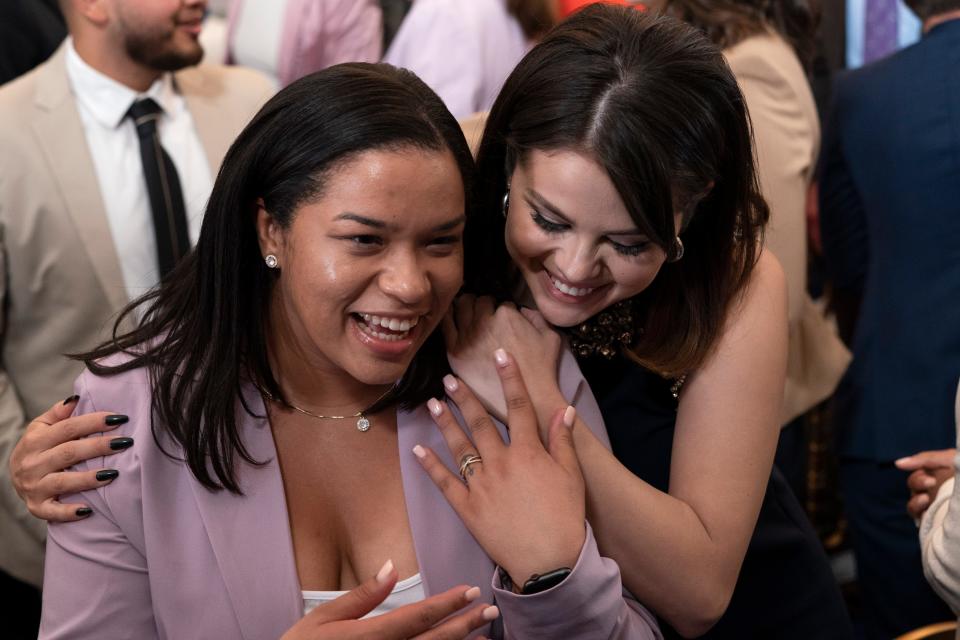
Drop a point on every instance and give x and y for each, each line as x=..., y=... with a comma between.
x=543, y=202
x=370, y=222
x=380, y=224
x=452, y=224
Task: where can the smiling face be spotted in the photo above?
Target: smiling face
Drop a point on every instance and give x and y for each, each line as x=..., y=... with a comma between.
x=571, y=236
x=368, y=269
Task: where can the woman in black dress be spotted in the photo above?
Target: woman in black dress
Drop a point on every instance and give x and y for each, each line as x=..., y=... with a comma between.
x=617, y=166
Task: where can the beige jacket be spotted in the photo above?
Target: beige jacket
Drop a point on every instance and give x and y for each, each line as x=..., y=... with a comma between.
x=786, y=133
x=940, y=536
x=60, y=277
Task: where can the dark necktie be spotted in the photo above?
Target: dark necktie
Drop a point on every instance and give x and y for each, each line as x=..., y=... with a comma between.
x=163, y=187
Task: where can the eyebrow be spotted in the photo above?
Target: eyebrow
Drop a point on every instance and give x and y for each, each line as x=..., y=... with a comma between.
x=532, y=195
x=380, y=224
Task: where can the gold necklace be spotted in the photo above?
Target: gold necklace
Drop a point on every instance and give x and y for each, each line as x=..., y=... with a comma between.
x=363, y=422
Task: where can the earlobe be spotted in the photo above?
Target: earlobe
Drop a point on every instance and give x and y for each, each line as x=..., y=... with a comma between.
x=268, y=231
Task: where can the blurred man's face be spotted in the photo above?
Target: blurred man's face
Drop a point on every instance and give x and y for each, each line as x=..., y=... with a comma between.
x=160, y=34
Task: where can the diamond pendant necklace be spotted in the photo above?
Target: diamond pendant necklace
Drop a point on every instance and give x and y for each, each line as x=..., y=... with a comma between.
x=363, y=422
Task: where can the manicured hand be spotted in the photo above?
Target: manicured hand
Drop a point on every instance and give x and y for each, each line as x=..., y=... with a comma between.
x=474, y=327
x=930, y=470
x=425, y=620
x=524, y=503
x=55, y=441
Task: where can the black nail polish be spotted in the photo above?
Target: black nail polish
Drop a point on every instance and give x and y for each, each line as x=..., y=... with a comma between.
x=121, y=443
x=115, y=420
x=83, y=512
x=70, y=400
x=107, y=474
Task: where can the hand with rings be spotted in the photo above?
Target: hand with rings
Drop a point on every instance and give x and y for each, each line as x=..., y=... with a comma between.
x=524, y=502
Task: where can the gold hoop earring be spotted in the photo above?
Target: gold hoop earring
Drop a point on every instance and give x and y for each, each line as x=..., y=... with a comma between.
x=677, y=249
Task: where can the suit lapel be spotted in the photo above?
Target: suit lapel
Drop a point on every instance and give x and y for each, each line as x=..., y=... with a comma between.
x=61, y=138
x=250, y=536
x=447, y=553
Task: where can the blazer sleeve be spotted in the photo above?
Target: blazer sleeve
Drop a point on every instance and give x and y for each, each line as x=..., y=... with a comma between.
x=591, y=604
x=13, y=423
x=940, y=537
x=843, y=222
x=95, y=579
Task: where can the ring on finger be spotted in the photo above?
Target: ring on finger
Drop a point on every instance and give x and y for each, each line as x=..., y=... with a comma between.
x=465, y=463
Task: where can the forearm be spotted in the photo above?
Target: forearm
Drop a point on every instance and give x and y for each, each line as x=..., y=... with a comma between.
x=666, y=554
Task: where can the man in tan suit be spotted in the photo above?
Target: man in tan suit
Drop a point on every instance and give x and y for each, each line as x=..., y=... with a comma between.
x=72, y=245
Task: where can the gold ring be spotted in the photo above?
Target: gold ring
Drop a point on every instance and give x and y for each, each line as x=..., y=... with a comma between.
x=465, y=464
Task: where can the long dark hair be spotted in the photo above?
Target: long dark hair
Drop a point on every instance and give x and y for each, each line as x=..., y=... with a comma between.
x=727, y=22
x=203, y=331
x=654, y=103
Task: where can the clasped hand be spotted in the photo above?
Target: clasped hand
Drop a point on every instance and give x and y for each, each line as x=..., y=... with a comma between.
x=474, y=327
x=524, y=503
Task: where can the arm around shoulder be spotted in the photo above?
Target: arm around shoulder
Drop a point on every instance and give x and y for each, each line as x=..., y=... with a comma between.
x=96, y=583
x=684, y=562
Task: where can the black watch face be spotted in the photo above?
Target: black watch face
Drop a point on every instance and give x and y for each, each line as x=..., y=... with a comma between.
x=545, y=581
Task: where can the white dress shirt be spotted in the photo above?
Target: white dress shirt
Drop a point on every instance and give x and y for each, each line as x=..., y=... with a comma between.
x=462, y=49
x=908, y=29
x=115, y=148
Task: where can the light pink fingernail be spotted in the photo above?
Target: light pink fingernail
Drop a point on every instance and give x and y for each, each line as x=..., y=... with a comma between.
x=490, y=613
x=420, y=452
x=569, y=416
x=450, y=383
x=501, y=357
x=434, y=406
x=384, y=574
x=472, y=594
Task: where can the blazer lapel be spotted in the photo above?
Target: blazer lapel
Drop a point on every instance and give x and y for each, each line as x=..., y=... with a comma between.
x=250, y=536
x=61, y=138
x=447, y=553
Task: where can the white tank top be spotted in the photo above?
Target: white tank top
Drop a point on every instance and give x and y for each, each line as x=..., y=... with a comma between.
x=405, y=592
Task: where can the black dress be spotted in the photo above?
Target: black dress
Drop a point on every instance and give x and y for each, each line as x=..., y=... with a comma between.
x=786, y=588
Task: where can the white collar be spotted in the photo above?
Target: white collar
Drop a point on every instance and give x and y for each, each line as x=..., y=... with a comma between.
x=108, y=100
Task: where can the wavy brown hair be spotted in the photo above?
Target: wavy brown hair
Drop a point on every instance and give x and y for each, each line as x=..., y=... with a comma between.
x=728, y=22
x=654, y=103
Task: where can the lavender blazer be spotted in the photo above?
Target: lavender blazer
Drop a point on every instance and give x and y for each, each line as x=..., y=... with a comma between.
x=163, y=557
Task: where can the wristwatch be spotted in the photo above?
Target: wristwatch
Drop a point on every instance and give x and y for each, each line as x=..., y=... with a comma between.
x=537, y=582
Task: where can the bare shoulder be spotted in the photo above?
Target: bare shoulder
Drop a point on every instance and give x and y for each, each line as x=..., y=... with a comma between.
x=765, y=296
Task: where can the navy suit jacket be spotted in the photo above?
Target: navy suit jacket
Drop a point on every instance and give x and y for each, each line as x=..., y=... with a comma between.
x=890, y=220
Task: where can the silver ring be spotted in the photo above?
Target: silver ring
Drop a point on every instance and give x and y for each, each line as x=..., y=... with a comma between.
x=465, y=464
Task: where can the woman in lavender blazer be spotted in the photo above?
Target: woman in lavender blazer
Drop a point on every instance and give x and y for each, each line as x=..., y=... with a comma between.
x=274, y=388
